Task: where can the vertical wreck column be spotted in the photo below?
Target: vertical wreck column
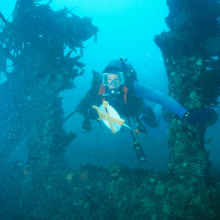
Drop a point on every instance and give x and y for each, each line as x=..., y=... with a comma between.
x=188, y=50
x=188, y=156
x=42, y=45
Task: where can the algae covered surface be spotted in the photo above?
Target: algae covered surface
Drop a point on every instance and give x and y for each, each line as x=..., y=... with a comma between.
x=109, y=193
x=44, y=49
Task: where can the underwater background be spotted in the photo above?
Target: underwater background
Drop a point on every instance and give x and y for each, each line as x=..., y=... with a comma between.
x=133, y=23
x=98, y=166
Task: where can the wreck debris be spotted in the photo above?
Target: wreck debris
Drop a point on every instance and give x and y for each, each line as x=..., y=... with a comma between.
x=39, y=42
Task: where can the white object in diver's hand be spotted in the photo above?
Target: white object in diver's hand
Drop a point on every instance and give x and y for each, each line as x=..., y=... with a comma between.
x=109, y=116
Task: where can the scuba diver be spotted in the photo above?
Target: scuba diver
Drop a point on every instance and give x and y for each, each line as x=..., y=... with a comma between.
x=118, y=86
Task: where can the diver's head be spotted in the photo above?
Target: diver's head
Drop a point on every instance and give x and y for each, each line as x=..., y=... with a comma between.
x=117, y=72
x=113, y=80
x=113, y=75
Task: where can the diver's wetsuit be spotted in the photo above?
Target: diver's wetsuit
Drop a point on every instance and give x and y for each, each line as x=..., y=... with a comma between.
x=135, y=106
x=166, y=101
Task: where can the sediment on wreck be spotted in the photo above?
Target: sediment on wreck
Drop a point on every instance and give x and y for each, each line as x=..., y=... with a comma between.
x=43, y=48
x=193, y=75
x=191, y=57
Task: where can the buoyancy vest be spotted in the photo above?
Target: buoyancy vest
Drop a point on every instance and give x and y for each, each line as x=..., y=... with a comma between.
x=127, y=103
x=102, y=91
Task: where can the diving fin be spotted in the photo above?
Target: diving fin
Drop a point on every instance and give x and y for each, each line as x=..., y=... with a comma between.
x=139, y=151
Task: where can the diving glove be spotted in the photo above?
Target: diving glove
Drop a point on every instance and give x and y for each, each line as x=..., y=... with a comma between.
x=200, y=117
x=87, y=126
x=92, y=114
x=149, y=120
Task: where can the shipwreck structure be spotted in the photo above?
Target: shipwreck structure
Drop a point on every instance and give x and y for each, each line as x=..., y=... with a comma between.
x=191, y=55
x=43, y=48
x=40, y=56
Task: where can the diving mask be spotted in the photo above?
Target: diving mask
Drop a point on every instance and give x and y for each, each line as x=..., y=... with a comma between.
x=113, y=79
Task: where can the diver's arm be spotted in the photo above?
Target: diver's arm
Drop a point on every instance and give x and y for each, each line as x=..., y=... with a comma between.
x=85, y=108
x=155, y=96
x=201, y=117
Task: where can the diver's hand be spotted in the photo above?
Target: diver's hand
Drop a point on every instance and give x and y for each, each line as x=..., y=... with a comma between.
x=93, y=113
x=200, y=117
x=87, y=126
